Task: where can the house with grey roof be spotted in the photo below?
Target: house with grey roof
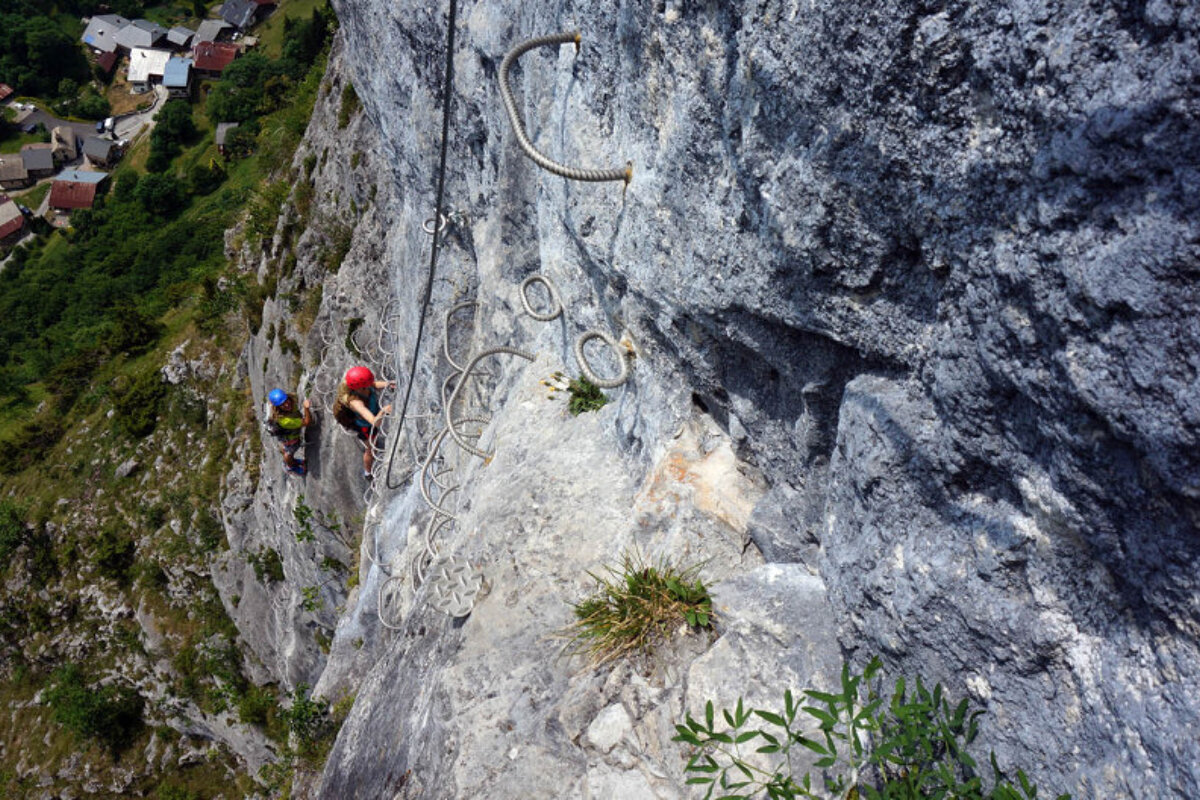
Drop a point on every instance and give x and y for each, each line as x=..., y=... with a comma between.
x=177, y=77
x=100, y=152
x=180, y=37
x=239, y=13
x=13, y=174
x=212, y=30
x=101, y=32
x=38, y=159
x=140, y=33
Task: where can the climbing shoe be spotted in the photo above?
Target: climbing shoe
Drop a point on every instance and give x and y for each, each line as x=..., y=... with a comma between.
x=297, y=468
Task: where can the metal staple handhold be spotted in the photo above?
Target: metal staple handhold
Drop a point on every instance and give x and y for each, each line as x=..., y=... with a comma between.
x=449, y=406
x=586, y=368
x=551, y=289
x=510, y=105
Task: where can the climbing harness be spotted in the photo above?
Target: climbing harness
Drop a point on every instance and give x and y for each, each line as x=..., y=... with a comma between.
x=624, y=174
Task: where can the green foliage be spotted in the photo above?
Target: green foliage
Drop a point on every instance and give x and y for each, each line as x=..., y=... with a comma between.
x=137, y=407
x=304, y=516
x=36, y=54
x=311, y=598
x=636, y=606
x=265, y=206
x=310, y=725
x=163, y=195
x=210, y=534
x=258, y=706
x=585, y=396
x=132, y=331
x=172, y=791
x=12, y=531
x=173, y=129
x=910, y=746
x=88, y=104
x=206, y=179
x=110, y=715
x=113, y=554
x=268, y=566
x=350, y=105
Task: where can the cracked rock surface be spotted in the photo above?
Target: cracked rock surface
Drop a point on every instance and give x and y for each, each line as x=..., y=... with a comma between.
x=912, y=289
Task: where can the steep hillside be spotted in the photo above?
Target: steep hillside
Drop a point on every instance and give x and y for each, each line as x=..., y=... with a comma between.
x=906, y=293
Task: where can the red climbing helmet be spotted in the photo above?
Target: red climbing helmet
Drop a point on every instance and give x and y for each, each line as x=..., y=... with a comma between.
x=359, y=378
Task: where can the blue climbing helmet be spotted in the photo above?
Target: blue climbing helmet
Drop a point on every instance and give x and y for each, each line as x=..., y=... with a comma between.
x=277, y=397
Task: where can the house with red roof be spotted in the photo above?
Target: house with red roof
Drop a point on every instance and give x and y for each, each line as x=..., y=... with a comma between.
x=70, y=195
x=6, y=92
x=12, y=221
x=211, y=58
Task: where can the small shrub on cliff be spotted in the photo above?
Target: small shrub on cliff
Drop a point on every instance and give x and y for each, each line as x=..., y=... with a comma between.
x=585, y=396
x=12, y=530
x=636, y=606
x=110, y=715
x=350, y=104
x=910, y=746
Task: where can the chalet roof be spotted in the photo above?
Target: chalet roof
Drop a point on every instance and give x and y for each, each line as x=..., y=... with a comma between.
x=210, y=30
x=214, y=56
x=79, y=176
x=5, y=91
x=96, y=148
x=12, y=168
x=38, y=157
x=177, y=72
x=140, y=33
x=71, y=195
x=11, y=219
x=102, y=31
x=146, y=64
x=179, y=36
x=239, y=13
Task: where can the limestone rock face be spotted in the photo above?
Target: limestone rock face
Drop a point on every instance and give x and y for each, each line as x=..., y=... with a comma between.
x=912, y=292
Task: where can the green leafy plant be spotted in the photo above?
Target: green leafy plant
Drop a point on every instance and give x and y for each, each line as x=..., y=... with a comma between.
x=268, y=565
x=311, y=598
x=304, y=516
x=310, y=725
x=636, y=606
x=911, y=746
x=585, y=396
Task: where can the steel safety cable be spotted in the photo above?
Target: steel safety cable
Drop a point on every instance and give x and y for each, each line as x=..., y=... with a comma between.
x=447, y=93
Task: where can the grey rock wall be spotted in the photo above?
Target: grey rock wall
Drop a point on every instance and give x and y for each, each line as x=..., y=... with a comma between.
x=927, y=269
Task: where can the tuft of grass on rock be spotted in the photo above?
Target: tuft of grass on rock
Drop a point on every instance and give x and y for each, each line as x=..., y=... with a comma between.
x=635, y=607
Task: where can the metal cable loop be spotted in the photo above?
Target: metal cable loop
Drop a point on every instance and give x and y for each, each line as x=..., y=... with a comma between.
x=625, y=174
x=586, y=368
x=552, y=290
x=397, y=587
x=454, y=395
x=446, y=332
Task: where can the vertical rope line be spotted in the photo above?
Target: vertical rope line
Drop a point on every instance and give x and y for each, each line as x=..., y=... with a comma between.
x=447, y=87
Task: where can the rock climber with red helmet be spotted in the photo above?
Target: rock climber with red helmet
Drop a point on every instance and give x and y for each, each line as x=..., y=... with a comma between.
x=359, y=392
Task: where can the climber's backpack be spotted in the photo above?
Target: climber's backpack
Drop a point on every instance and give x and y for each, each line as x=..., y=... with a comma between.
x=345, y=416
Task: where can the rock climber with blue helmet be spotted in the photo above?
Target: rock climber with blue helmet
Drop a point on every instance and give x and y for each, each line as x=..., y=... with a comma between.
x=287, y=425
